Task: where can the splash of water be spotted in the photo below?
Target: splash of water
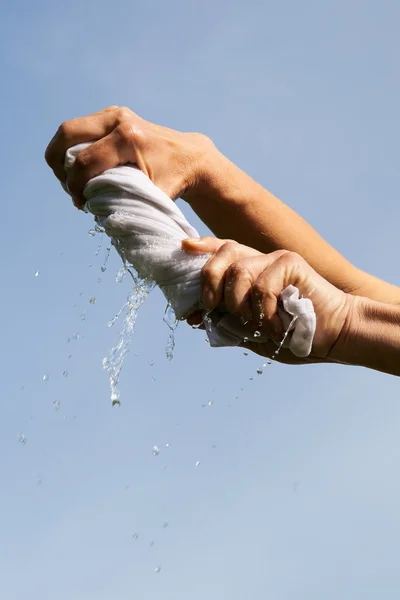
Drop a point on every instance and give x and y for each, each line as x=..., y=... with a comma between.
x=113, y=363
x=172, y=322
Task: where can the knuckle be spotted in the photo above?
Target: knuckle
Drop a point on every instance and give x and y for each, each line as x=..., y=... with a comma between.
x=237, y=270
x=125, y=131
x=207, y=273
x=230, y=246
x=291, y=258
x=64, y=129
x=258, y=289
x=124, y=113
x=82, y=161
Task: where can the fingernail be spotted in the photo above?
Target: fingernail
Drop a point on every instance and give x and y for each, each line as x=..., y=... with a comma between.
x=208, y=297
x=194, y=242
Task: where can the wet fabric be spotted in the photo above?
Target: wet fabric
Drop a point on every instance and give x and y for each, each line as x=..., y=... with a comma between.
x=147, y=229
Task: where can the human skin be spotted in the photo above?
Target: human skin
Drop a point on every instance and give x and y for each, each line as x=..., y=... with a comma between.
x=226, y=199
x=349, y=329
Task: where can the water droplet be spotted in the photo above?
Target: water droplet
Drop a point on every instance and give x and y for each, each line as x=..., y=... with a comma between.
x=37, y=273
x=135, y=536
x=21, y=438
x=83, y=317
x=256, y=334
x=92, y=300
x=152, y=543
x=103, y=268
x=210, y=402
x=56, y=405
x=172, y=322
x=65, y=373
x=260, y=371
x=99, y=280
x=246, y=353
x=251, y=378
x=121, y=274
x=69, y=356
x=245, y=339
x=115, y=402
x=167, y=445
x=153, y=379
x=197, y=463
x=76, y=335
x=157, y=569
x=90, y=265
x=151, y=363
x=99, y=229
x=91, y=232
x=45, y=377
x=165, y=525
x=156, y=451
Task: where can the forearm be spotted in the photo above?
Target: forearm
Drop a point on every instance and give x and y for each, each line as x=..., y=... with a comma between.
x=234, y=206
x=370, y=337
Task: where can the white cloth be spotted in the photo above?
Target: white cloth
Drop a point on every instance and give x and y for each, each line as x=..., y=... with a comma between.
x=147, y=229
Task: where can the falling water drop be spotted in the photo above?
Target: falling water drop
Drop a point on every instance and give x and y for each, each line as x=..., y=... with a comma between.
x=21, y=438
x=197, y=464
x=45, y=377
x=155, y=451
x=135, y=536
x=92, y=300
x=157, y=569
x=37, y=273
x=56, y=405
x=65, y=373
x=91, y=232
x=256, y=334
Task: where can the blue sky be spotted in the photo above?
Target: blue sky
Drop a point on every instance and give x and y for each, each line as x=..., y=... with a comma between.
x=298, y=489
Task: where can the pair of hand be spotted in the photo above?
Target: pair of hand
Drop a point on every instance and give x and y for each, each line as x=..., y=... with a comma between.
x=182, y=164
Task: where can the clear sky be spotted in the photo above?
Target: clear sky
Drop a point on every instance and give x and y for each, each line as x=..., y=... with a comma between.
x=297, y=493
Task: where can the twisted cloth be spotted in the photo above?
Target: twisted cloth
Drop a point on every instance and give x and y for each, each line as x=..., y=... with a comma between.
x=147, y=229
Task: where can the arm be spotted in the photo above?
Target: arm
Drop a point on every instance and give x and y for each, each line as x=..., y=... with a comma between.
x=225, y=198
x=234, y=206
x=349, y=329
x=371, y=337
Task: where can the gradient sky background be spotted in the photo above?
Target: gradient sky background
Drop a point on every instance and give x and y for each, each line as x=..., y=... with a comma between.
x=298, y=492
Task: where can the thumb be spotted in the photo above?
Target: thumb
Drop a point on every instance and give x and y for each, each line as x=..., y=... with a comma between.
x=204, y=245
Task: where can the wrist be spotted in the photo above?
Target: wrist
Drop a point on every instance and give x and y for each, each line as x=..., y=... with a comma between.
x=214, y=175
x=370, y=336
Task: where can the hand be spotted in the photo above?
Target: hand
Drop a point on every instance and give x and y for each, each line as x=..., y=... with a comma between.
x=176, y=162
x=249, y=284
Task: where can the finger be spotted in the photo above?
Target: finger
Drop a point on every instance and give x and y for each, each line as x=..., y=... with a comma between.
x=240, y=277
x=204, y=245
x=195, y=319
x=76, y=131
x=213, y=273
x=265, y=294
x=94, y=160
